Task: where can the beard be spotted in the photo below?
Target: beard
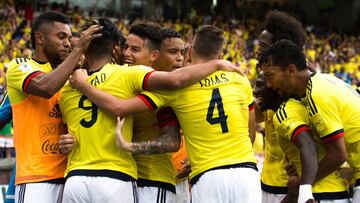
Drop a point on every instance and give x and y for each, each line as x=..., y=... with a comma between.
x=54, y=57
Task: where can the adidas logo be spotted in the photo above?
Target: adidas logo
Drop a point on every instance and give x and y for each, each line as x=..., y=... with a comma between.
x=55, y=112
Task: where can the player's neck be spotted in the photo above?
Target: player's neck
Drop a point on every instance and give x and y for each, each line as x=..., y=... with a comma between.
x=40, y=57
x=98, y=63
x=196, y=60
x=303, y=79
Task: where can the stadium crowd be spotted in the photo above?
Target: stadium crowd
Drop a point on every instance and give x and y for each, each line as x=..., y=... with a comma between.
x=326, y=51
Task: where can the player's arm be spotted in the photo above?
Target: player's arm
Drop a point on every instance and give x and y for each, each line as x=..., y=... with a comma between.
x=167, y=141
x=189, y=75
x=5, y=112
x=252, y=125
x=328, y=124
x=308, y=155
x=335, y=156
x=47, y=84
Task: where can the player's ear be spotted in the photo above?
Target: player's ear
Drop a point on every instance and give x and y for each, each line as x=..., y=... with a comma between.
x=39, y=38
x=154, y=55
x=292, y=69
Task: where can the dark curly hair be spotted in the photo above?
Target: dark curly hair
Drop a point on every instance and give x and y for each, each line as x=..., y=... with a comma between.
x=282, y=53
x=283, y=26
x=111, y=35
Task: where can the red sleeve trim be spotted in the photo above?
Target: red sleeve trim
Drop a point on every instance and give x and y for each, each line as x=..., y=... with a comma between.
x=167, y=117
x=148, y=102
x=298, y=130
x=333, y=136
x=146, y=80
x=169, y=123
x=29, y=78
x=252, y=106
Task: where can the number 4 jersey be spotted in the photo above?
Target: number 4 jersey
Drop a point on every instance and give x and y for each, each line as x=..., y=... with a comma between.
x=96, y=153
x=214, y=116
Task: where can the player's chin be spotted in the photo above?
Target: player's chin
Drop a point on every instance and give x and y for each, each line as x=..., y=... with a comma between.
x=175, y=67
x=129, y=61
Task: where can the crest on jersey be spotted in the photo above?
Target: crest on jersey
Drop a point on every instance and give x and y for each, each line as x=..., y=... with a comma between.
x=25, y=67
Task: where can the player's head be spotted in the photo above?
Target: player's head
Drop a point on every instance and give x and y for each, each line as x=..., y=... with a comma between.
x=208, y=43
x=280, y=25
x=75, y=36
x=50, y=35
x=142, y=46
x=281, y=63
x=269, y=98
x=187, y=57
x=171, y=51
x=103, y=46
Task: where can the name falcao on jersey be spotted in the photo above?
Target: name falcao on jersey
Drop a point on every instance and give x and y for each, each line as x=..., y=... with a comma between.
x=214, y=80
x=98, y=79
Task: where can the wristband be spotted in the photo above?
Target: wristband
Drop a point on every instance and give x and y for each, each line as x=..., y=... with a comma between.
x=305, y=193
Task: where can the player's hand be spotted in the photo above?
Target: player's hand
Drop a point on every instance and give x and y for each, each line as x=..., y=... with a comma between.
x=186, y=169
x=291, y=169
x=225, y=65
x=120, y=141
x=78, y=78
x=66, y=143
x=117, y=55
x=87, y=35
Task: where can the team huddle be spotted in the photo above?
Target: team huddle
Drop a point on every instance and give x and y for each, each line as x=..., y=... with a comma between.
x=97, y=117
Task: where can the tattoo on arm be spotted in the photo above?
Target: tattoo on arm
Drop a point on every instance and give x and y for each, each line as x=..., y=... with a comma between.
x=167, y=141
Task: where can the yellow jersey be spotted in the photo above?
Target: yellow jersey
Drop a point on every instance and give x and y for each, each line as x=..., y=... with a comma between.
x=290, y=120
x=334, y=109
x=273, y=176
x=214, y=116
x=37, y=125
x=96, y=153
x=157, y=168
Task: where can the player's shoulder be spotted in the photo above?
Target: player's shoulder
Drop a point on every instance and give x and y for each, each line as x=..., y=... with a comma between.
x=22, y=64
x=289, y=109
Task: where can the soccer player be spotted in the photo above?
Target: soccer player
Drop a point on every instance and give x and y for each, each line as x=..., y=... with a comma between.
x=148, y=45
x=331, y=105
x=278, y=25
x=96, y=158
x=215, y=123
x=294, y=137
x=32, y=89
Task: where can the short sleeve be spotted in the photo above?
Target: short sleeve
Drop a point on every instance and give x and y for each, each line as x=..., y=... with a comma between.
x=249, y=93
x=20, y=73
x=325, y=116
x=157, y=99
x=138, y=76
x=289, y=121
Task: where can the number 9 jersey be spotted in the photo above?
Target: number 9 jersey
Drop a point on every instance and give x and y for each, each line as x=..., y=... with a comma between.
x=94, y=130
x=214, y=116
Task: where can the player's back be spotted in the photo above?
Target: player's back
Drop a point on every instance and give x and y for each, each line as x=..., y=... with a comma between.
x=94, y=129
x=214, y=116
